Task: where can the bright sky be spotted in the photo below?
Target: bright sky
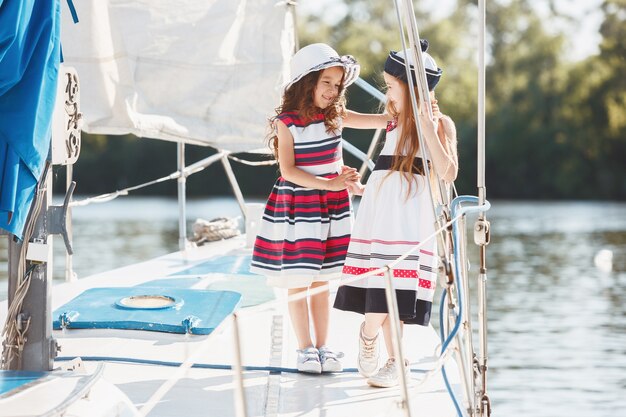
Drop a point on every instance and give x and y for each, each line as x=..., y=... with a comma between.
x=581, y=31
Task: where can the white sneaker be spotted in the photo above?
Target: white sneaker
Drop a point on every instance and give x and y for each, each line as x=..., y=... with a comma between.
x=330, y=360
x=309, y=361
x=388, y=375
x=367, y=362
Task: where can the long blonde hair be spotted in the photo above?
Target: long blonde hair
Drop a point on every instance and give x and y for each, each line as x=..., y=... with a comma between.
x=408, y=146
x=298, y=98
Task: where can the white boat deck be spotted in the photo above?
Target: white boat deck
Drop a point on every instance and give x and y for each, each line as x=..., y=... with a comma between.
x=141, y=362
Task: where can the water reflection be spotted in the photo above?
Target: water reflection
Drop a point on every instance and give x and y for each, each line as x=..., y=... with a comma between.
x=557, y=324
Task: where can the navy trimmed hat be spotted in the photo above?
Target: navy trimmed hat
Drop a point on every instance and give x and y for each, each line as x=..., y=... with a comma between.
x=396, y=61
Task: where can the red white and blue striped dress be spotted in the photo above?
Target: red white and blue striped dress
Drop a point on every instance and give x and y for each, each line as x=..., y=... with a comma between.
x=388, y=225
x=304, y=232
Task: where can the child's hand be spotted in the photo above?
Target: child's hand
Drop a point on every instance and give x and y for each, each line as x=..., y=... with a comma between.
x=341, y=181
x=353, y=178
x=346, y=168
x=356, y=188
x=427, y=122
x=436, y=112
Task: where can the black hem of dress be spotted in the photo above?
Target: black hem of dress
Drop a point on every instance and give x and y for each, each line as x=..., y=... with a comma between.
x=373, y=300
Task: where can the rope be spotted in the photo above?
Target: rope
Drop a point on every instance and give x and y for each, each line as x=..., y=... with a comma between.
x=187, y=171
x=14, y=330
x=103, y=198
x=212, y=230
x=225, y=367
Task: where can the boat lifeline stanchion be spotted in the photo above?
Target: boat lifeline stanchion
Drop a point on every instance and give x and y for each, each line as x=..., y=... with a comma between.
x=458, y=314
x=182, y=201
x=234, y=185
x=396, y=334
x=481, y=227
x=466, y=350
x=241, y=409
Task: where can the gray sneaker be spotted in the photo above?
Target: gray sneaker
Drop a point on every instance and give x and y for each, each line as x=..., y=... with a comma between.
x=330, y=360
x=309, y=361
x=367, y=362
x=388, y=375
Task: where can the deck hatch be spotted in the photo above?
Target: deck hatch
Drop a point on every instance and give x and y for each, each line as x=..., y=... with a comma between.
x=171, y=310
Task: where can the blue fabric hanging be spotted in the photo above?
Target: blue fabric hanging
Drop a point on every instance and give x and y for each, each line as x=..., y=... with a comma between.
x=29, y=66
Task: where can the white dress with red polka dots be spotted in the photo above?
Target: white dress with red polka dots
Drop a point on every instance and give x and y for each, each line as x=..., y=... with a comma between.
x=388, y=224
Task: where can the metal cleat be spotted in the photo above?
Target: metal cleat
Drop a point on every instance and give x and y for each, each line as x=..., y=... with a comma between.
x=57, y=218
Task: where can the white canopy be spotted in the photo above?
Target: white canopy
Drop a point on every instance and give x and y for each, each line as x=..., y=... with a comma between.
x=205, y=72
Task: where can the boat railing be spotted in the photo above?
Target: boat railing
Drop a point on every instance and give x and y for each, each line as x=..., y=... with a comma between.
x=452, y=339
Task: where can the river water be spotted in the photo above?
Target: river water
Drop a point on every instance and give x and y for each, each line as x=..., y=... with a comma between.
x=556, y=317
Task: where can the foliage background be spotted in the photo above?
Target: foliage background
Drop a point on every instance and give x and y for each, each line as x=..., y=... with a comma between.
x=556, y=128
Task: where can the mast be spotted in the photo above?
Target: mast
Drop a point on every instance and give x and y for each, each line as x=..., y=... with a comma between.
x=29, y=344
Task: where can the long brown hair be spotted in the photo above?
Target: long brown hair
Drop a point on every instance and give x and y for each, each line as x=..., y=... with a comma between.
x=299, y=98
x=408, y=145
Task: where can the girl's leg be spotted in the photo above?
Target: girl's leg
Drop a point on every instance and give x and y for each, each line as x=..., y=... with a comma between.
x=320, y=311
x=389, y=374
x=388, y=335
x=373, y=322
x=367, y=361
x=299, y=315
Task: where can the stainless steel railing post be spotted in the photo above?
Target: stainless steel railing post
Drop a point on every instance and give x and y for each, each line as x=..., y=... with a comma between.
x=182, y=199
x=396, y=334
x=241, y=409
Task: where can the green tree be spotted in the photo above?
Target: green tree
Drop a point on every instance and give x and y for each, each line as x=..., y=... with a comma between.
x=524, y=86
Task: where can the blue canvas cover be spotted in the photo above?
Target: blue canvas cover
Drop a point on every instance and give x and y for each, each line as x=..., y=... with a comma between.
x=29, y=65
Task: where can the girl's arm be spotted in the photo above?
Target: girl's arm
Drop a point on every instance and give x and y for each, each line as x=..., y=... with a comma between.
x=366, y=121
x=440, y=138
x=289, y=171
x=446, y=131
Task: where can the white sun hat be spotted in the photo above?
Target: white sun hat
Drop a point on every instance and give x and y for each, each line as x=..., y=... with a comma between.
x=319, y=56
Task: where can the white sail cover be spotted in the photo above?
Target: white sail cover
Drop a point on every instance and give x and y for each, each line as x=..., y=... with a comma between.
x=205, y=72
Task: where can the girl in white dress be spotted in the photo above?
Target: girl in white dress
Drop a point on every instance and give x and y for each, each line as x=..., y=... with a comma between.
x=395, y=214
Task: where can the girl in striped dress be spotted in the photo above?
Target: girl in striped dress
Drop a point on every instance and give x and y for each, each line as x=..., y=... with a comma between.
x=306, y=224
x=396, y=214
